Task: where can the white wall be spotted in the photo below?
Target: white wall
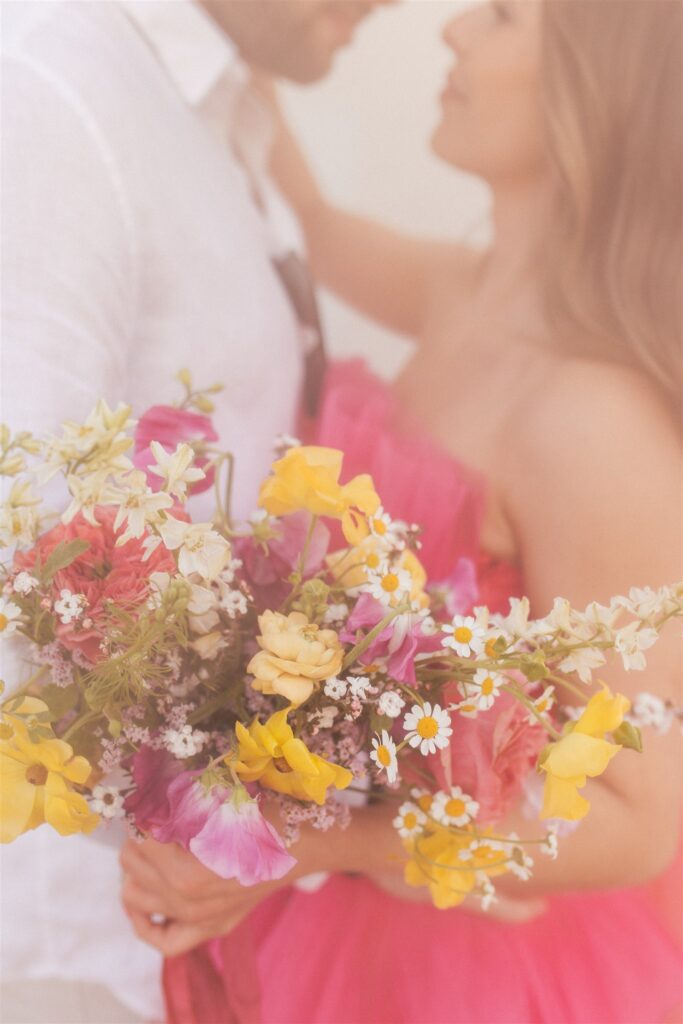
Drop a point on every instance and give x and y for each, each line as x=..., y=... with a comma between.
x=366, y=129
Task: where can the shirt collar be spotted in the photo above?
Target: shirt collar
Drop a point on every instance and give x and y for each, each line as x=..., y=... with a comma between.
x=194, y=51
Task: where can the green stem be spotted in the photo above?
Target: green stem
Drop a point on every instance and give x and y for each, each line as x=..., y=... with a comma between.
x=363, y=644
x=78, y=724
x=530, y=706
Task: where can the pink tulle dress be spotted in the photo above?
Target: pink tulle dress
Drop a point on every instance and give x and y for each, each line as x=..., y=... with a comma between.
x=350, y=953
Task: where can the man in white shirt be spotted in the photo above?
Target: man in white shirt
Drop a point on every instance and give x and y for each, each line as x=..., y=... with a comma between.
x=138, y=237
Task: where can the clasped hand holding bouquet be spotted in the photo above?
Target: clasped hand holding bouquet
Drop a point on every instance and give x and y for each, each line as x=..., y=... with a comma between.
x=220, y=686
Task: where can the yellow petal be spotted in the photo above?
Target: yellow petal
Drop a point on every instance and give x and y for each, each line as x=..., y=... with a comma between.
x=17, y=797
x=299, y=758
x=577, y=754
x=603, y=713
x=561, y=799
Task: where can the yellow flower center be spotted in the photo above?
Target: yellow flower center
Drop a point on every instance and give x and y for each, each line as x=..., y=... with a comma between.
x=3, y=622
x=468, y=707
x=542, y=705
x=490, y=648
x=455, y=808
x=462, y=634
x=424, y=802
x=390, y=582
x=410, y=820
x=379, y=527
x=384, y=755
x=427, y=727
x=487, y=686
x=372, y=561
x=36, y=774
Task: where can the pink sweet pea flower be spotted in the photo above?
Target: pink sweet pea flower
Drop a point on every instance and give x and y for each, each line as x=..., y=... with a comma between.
x=170, y=426
x=267, y=570
x=401, y=640
x=223, y=828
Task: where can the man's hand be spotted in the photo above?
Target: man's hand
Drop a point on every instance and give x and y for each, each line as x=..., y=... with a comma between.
x=190, y=903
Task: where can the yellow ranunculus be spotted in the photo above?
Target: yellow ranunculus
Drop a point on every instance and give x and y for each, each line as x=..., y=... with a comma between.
x=581, y=753
x=307, y=478
x=436, y=862
x=34, y=781
x=296, y=655
x=272, y=754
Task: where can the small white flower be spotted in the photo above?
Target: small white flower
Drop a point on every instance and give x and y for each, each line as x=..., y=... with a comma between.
x=360, y=686
x=231, y=569
x=646, y=602
x=200, y=549
x=582, y=661
x=388, y=533
x=107, y=801
x=549, y=847
x=185, y=742
x=9, y=615
x=384, y=755
x=410, y=820
x=427, y=728
x=648, y=709
x=516, y=622
x=631, y=641
x=390, y=703
x=520, y=863
x=335, y=688
x=234, y=603
x=467, y=708
x=454, y=807
x=336, y=613
x=464, y=636
x=69, y=606
x=24, y=583
x=175, y=468
x=325, y=717
x=488, y=895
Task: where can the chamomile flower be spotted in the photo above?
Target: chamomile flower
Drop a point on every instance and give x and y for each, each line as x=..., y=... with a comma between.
x=382, y=527
x=520, y=863
x=9, y=615
x=454, y=807
x=427, y=728
x=388, y=585
x=384, y=754
x=467, y=708
x=410, y=820
x=107, y=801
x=423, y=798
x=542, y=704
x=464, y=636
x=485, y=688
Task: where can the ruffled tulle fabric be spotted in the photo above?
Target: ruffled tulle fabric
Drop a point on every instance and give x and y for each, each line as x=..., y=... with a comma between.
x=352, y=954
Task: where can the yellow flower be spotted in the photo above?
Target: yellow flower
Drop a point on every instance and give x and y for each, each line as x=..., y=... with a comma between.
x=350, y=566
x=271, y=754
x=436, y=862
x=296, y=656
x=581, y=753
x=34, y=780
x=307, y=477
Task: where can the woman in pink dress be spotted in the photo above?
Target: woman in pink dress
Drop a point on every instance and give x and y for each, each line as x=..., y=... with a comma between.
x=534, y=436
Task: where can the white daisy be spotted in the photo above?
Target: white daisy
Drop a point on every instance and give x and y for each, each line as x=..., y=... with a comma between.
x=410, y=820
x=9, y=614
x=467, y=708
x=384, y=754
x=454, y=807
x=520, y=863
x=464, y=636
x=390, y=703
x=487, y=688
x=427, y=728
x=542, y=704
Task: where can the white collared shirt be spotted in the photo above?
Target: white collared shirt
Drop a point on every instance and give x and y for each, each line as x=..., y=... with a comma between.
x=131, y=248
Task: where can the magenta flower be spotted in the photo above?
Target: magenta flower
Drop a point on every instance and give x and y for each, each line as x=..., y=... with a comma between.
x=267, y=569
x=400, y=641
x=223, y=828
x=170, y=426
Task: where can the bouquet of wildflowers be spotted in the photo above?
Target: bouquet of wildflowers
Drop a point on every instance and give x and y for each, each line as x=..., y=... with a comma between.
x=180, y=673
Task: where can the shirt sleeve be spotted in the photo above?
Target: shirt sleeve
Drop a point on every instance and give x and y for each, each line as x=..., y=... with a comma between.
x=68, y=255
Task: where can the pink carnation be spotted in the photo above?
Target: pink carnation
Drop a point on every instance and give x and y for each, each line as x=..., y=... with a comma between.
x=104, y=573
x=169, y=427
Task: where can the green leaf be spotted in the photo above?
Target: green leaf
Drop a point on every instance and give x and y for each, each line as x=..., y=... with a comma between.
x=62, y=556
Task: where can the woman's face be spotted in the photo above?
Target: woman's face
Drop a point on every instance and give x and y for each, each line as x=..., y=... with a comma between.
x=491, y=122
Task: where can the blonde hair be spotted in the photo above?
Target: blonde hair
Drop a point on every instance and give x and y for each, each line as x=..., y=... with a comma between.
x=613, y=96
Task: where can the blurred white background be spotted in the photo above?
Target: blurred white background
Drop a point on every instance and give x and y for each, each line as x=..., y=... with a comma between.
x=366, y=130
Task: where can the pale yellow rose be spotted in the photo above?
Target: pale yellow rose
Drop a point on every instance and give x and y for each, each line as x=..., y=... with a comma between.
x=296, y=656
